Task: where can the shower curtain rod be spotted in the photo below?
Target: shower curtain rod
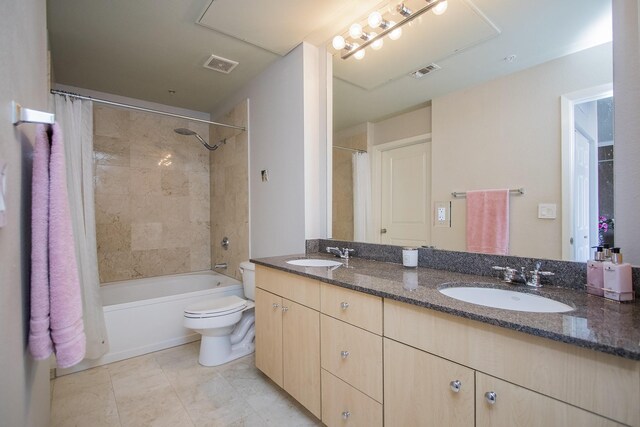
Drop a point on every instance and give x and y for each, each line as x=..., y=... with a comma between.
x=349, y=149
x=146, y=110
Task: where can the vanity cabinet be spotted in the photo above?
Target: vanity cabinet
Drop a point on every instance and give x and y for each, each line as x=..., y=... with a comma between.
x=351, y=348
x=288, y=334
x=536, y=381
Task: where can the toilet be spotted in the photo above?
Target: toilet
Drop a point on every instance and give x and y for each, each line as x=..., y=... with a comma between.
x=226, y=324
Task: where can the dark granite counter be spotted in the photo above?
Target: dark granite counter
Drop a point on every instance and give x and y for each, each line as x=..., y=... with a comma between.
x=596, y=323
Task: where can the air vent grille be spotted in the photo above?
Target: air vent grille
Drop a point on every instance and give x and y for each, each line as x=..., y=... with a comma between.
x=220, y=64
x=424, y=71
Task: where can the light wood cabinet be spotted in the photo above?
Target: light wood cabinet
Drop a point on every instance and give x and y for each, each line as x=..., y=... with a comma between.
x=288, y=335
x=352, y=354
x=594, y=381
x=425, y=390
x=343, y=405
x=355, y=308
x=512, y=406
x=269, y=335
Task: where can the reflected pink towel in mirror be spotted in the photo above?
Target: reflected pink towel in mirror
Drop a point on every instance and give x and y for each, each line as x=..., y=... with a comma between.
x=488, y=221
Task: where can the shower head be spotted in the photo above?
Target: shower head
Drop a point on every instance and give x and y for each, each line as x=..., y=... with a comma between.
x=189, y=132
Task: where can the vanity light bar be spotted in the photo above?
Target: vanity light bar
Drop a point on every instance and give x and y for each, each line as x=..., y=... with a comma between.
x=389, y=29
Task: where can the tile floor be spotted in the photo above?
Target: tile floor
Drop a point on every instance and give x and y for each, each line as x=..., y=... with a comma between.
x=170, y=388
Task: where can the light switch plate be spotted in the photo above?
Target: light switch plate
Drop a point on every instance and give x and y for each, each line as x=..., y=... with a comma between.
x=547, y=210
x=442, y=214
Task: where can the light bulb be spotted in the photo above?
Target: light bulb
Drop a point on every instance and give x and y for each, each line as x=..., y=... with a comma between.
x=396, y=33
x=338, y=43
x=375, y=19
x=359, y=54
x=377, y=45
x=355, y=30
x=440, y=8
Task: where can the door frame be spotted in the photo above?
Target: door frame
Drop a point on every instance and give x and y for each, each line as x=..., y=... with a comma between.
x=567, y=123
x=376, y=177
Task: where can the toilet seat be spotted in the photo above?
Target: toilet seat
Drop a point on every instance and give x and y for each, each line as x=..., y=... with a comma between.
x=215, y=307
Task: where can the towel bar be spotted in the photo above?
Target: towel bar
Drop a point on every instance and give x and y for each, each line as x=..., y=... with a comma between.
x=26, y=115
x=516, y=191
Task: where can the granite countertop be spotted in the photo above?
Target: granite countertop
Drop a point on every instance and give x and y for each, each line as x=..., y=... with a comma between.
x=596, y=323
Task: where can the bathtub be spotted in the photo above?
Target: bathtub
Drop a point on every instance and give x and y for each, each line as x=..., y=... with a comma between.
x=145, y=315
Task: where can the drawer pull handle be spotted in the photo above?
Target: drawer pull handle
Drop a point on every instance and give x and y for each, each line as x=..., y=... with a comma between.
x=344, y=305
x=285, y=309
x=455, y=386
x=275, y=306
x=346, y=415
x=491, y=397
x=344, y=354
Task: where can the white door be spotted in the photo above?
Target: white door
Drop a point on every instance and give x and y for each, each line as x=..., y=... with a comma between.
x=581, y=198
x=405, y=214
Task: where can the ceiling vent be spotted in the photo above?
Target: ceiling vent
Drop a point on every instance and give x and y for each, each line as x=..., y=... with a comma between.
x=220, y=64
x=424, y=71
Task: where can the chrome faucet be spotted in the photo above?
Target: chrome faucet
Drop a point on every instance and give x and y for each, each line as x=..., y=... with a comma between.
x=513, y=276
x=343, y=253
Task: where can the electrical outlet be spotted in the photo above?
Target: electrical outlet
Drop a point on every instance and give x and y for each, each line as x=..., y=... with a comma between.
x=442, y=214
x=547, y=210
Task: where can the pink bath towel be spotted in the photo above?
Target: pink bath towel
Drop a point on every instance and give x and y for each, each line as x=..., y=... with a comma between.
x=56, y=303
x=67, y=327
x=40, y=343
x=488, y=221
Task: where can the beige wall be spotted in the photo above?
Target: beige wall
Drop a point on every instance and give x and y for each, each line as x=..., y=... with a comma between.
x=506, y=134
x=356, y=138
x=404, y=125
x=152, y=195
x=24, y=387
x=229, y=166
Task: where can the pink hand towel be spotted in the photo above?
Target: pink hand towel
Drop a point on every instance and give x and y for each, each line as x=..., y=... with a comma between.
x=488, y=221
x=40, y=343
x=67, y=327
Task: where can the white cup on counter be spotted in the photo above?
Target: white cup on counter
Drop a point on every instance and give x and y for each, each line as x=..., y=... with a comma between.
x=410, y=257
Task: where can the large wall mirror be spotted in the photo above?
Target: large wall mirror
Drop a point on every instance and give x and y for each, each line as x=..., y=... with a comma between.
x=491, y=94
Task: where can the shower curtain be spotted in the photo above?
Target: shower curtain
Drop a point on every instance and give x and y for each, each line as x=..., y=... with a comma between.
x=362, y=220
x=76, y=119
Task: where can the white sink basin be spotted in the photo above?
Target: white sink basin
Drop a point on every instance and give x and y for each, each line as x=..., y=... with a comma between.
x=505, y=299
x=310, y=262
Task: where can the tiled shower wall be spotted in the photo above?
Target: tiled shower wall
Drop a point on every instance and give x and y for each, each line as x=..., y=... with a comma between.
x=151, y=195
x=230, y=192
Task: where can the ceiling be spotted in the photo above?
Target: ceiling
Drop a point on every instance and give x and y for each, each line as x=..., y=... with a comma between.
x=145, y=48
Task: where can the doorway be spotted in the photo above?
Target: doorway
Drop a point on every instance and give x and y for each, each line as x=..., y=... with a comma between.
x=403, y=175
x=587, y=126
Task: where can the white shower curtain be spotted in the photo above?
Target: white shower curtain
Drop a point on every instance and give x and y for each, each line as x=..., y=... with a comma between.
x=76, y=119
x=362, y=220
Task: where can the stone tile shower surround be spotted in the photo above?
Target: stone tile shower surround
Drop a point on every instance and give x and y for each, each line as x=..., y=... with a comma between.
x=229, y=185
x=151, y=195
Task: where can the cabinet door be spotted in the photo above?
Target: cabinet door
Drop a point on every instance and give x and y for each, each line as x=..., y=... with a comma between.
x=269, y=335
x=301, y=354
x=514, y=406
x=418, y=389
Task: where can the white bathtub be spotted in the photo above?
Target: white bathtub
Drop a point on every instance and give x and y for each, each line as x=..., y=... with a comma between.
x=145, y=315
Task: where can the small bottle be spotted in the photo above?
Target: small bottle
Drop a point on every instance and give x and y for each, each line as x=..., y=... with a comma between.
x=607, y=252
x=595, y=273
x=617, y=278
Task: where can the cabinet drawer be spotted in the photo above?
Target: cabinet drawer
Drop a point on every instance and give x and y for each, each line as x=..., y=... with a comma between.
x=353, y=355
x=561, y=371
x=515, y=405
x=356, y=308
x=343, y=405
x=296, y=288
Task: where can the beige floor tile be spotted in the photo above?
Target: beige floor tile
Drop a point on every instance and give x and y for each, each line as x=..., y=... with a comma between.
x=107, y=417
x=156, y=407
x=74, y=395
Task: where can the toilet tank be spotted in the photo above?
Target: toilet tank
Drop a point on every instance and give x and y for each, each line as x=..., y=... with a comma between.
x=248, y=270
